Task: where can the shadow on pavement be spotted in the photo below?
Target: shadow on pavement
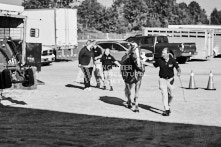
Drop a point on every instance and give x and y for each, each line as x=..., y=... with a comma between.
x=33, y=127
x=12, y=100
x=120, y=102
x=150, y=108
x=113, y=100
x=219, y=56
x=79, y=87
x=74, y=86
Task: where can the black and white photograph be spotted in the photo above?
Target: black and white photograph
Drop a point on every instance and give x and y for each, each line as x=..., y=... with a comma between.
x=110, y=73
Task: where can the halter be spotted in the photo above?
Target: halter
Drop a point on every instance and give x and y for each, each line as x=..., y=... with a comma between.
x=137, y=52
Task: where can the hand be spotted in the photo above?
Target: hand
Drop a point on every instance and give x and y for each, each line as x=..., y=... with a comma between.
x=79, y=65
x=178, y=74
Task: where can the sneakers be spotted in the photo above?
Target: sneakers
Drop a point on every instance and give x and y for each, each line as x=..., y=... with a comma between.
x=105, y=88
x=166, y=113
x=169, y=111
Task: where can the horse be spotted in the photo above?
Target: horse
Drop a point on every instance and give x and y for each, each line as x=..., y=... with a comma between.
x=132, y=71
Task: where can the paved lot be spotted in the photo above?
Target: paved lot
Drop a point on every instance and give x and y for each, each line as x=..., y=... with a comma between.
x=60, y=113
x=63, y=92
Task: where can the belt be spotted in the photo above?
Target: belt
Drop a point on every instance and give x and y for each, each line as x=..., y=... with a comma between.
x=166, y=78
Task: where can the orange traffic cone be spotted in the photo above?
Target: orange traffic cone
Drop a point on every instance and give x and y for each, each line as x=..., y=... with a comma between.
x=210, y=85
x=192, y=84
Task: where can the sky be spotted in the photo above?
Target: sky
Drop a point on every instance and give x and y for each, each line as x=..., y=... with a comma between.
x=208, y=5
x=14, y=2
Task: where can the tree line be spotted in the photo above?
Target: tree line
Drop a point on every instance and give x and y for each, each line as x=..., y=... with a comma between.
x=131, y=15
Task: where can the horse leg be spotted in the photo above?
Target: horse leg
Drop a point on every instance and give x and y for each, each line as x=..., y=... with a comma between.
x=128, y=94
x=137, y=88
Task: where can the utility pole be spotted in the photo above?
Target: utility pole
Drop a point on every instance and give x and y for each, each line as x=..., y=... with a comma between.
x=209, y=17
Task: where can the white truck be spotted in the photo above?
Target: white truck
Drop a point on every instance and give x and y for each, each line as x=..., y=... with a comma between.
x=56, y=29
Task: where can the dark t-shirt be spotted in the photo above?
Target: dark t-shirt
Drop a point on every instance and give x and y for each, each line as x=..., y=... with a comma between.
x=166, y=68
x=97, y=51
x=107, y=61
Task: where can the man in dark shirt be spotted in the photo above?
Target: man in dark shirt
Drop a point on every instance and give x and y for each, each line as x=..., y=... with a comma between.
x=166, y=64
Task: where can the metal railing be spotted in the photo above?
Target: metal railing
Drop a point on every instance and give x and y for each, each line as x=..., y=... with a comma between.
x=86, y=36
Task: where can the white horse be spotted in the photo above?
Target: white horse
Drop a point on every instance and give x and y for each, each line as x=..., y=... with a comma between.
x=132, y=72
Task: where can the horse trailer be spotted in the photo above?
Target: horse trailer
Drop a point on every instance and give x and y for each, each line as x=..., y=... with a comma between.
x=202, y=37
x=216, y=36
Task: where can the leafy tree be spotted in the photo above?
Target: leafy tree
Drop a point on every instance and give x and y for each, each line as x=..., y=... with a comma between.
x=129, y=15
x=197, y=14
x=183, y=6
x=90, y=12
x=39, y=4
x=135, y=13
x=215, y=17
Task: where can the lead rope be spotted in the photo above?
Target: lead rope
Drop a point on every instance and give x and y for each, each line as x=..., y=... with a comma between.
x=182, y=90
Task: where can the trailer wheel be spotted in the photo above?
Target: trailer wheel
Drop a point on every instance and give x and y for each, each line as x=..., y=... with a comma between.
x=5, y=75
x=182, y=60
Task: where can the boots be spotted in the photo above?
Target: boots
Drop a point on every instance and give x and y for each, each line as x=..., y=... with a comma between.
x=166, y=113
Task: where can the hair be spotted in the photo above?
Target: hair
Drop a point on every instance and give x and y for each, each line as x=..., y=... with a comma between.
x=88, y=42
x=167, y=49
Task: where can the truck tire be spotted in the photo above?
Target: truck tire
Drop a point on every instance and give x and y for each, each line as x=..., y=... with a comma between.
x=5, y=79
x=1, y=81
x=182, y=60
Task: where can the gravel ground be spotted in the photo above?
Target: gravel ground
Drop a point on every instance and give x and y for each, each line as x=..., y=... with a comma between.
x=60, y=113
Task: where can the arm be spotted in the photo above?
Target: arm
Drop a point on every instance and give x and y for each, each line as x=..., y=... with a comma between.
x=98, y=57
x=81, y=53
x=147, y=63
x=178, y=71
x=117, y=63
x=102, y=58
x=177, y=68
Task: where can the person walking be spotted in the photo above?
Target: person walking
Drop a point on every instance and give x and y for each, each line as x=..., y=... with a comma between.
x=98, y=72
x=86, y=63
x=166, y=64
x=107, y=61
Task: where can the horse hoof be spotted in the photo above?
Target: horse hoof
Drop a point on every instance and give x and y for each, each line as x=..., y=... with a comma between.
x=129, y=106
x=137, y=110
